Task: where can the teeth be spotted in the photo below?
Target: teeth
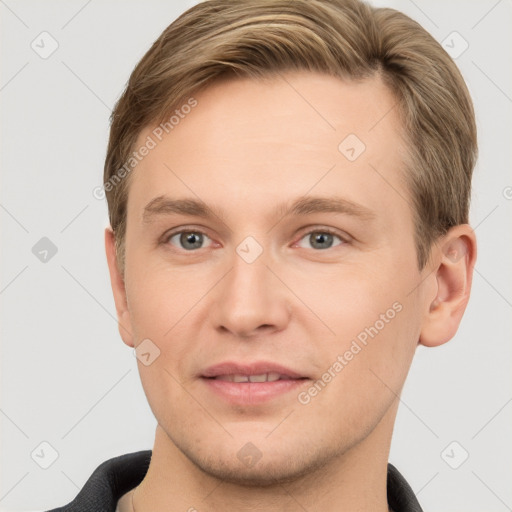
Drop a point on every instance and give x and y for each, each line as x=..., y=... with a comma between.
x=264, y=377
x=258, y=378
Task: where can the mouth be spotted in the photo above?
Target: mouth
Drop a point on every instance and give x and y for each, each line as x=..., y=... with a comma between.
x=262, y=377
x=251, y=384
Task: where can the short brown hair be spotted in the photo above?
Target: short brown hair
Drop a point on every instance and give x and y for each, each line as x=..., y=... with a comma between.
x=345, y=38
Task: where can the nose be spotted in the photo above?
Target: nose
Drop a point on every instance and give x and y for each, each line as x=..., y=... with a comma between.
x=251, y=299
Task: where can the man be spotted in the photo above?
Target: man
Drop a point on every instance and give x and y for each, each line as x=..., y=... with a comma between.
x=288, y=187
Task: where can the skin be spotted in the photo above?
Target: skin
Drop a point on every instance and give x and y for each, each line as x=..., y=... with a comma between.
x=247, y=146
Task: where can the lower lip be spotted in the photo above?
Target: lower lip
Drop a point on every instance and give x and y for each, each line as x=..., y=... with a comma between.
x=252, y=393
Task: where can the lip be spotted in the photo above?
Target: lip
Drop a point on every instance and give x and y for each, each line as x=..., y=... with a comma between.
x=255, y=368
x=251, y=393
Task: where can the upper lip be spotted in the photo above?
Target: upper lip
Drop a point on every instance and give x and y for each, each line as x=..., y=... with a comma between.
x=255, y=368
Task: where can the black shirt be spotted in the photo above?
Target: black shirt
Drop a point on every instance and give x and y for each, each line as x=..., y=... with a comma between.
x=119, y=475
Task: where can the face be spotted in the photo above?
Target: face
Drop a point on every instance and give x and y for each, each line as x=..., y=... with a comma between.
x=286, y=311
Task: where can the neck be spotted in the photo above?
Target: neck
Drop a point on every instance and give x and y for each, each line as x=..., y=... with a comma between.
x=355, y=480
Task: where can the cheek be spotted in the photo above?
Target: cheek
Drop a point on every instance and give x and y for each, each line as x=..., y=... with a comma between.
x=366, y=363
x=353, y=301
x=159, y=297
x=376, y=324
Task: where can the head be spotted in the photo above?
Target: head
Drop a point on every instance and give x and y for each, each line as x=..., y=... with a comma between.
x=255, y=114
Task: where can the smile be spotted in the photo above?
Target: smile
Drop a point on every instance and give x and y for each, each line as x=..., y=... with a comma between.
x=251, y=384
x=263, y=377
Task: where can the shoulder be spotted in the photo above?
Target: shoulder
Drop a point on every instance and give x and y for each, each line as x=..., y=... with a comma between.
x=109, y=482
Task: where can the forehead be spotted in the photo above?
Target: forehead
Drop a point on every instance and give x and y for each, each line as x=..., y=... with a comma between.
x=246, y=139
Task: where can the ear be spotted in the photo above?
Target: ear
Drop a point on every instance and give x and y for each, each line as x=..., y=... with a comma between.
x=118, y=289
x=454, y=259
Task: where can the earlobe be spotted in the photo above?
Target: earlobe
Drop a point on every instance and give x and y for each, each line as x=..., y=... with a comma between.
x=455, y=256
x=118, y=289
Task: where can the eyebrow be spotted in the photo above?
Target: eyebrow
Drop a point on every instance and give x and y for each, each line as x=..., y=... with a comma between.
x=164, y=205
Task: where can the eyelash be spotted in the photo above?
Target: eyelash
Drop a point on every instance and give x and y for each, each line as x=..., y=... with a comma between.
x=321, y=230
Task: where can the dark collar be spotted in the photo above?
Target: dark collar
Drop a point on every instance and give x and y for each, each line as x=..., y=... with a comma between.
x=119, y=475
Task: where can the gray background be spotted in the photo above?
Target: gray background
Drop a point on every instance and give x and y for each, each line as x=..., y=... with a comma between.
x=66, y=377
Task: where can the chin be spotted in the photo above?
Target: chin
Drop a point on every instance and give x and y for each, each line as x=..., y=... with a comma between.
x=250, y=467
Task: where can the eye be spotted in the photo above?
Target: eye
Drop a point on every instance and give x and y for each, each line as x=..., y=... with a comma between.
x=320, y=239
x=188, y=240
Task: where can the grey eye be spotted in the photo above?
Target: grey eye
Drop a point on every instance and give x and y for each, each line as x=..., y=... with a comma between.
x=320, y=240
x=189, y=240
